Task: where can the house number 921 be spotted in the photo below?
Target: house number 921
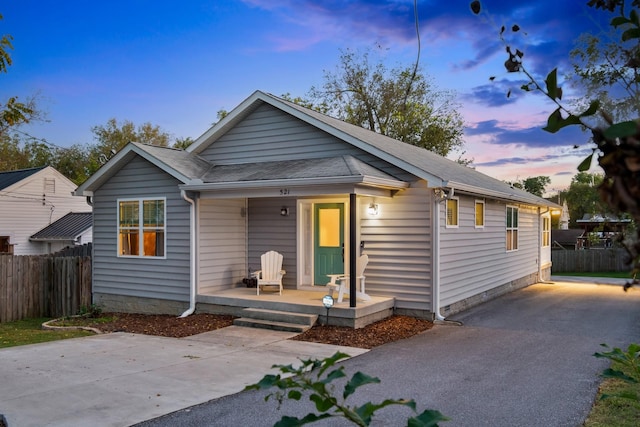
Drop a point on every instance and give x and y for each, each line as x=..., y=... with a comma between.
x=284, y=191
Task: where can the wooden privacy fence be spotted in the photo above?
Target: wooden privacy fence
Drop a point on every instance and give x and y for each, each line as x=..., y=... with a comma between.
x=589, y=261
x=43, y=286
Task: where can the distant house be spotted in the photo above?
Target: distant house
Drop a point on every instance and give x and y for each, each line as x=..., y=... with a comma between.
x=30, y=200
x=75, y=228
x=570, y=239
x=172, y=227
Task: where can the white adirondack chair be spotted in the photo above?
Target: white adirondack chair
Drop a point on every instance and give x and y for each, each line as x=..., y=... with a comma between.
x=343, y=279
x=272, y=272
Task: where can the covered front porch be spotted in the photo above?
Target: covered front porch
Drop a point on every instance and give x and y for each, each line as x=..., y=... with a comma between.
x=304, y=301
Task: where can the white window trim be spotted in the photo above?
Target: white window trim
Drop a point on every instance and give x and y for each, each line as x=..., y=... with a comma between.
x=546, y=231
x=484, y=215
x=446, y=215
x=517, y=228
x=140, y=201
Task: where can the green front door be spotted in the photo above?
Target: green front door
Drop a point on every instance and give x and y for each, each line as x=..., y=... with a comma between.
x=328, y=247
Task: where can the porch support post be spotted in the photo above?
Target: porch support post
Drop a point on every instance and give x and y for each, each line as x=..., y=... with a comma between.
x=353, y=245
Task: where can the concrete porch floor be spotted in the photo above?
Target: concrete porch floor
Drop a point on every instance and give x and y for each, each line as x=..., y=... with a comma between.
x=307, y=301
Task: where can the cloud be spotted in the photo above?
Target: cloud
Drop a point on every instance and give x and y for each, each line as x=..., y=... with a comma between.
x=497, y=133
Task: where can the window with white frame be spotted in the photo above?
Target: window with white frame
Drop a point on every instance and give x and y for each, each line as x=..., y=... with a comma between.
x=546, y=231
x=479, y=213
x=141, y=227
x=452, y=213
x=512, y=228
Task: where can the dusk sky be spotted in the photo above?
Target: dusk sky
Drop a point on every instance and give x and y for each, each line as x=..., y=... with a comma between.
x=176, y=64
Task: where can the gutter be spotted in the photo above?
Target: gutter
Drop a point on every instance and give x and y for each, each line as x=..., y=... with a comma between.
x=192, y=256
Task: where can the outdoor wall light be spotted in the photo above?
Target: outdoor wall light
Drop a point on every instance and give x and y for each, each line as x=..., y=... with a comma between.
x=284, y=211
x=372, y=209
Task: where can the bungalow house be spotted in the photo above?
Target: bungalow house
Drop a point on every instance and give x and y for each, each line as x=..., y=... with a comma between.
x=30, y=200
x=174, y=227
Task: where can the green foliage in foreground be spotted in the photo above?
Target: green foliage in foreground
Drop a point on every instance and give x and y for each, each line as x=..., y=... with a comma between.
x=315, y=377
x=29, y=331
x=618, y=403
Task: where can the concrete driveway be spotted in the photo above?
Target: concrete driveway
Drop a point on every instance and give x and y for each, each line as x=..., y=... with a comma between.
x=121, y=379
x=524, y=359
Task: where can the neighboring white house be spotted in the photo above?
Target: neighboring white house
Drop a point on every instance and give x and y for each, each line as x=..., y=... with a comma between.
x=174, y=227
x=31, y=200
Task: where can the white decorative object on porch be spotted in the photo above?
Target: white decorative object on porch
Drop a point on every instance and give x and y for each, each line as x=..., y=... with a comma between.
x=343, y=287
x=272, y=272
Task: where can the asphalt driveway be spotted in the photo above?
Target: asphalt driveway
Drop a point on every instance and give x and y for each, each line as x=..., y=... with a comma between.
x=524, y=359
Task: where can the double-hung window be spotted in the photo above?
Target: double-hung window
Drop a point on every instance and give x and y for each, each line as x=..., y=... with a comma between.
x=512, y=228
x=141, y=227
x=452, y=213
x=546, y=231
x=479, y=213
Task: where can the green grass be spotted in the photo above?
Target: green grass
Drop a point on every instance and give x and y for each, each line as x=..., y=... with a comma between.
x=610, y=274
x=615, y=411
x=29, y=331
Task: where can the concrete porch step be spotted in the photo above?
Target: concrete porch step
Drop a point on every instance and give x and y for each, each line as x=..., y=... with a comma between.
x=270, y=324
x=277, y=320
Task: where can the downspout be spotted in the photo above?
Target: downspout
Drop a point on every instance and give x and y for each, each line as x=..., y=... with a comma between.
x=192, y=255
x=435, y=286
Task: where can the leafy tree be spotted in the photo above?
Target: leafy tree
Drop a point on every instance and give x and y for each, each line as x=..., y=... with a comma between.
x=397, y=102
x=583, y=198
x=607, y=70
x=616, y=149
x=534, y=185
x=183, y=143
x=12, y=112
x=112, y=137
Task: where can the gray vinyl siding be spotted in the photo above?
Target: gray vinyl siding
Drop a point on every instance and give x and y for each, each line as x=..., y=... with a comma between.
x=269, y=134
x=398, y=243
x=144, y=277
x=268, y=230
x=475, y=260
x=222, y=244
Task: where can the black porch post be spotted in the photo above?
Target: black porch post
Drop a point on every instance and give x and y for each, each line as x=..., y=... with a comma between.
x=353, y=245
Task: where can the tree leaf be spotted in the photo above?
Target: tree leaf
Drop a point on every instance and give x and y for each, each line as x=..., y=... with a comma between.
x=619, y=20
x=428, y=418
x=593, y=108
x=621, y=130
x=585, y=165
x=632, y=33
x=552, y=83
x=358, y=379
x=475, y=7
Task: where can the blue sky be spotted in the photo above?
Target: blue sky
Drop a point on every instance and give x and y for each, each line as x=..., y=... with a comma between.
x=175, y=64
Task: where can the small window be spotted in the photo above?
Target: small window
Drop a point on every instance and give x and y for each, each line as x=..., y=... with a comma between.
x=141, y=228
x=479, y=213
x=452, y=212
x=512, y=228
x=5, y=245
x=546, y=231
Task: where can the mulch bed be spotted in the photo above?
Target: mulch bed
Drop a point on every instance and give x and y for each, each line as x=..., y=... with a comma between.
x=391, y=329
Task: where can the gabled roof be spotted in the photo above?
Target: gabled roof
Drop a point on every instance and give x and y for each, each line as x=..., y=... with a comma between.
x=437, y=170
x=7, y=179
x=69, y=227
x=195, y=172
x=180, y=164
